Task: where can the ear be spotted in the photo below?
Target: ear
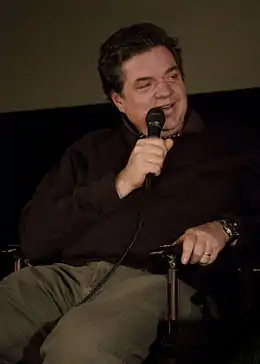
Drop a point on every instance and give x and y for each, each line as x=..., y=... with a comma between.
x=118, y=101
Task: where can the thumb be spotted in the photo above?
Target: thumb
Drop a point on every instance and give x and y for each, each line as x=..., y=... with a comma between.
x=169, y=143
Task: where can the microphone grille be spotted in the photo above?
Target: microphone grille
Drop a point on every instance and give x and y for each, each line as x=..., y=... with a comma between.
x=155, y=117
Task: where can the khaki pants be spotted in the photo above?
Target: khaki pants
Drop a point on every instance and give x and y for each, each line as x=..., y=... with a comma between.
x=39, y=314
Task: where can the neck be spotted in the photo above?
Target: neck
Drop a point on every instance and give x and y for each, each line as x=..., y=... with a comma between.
x=131, y=127
x=172, y=136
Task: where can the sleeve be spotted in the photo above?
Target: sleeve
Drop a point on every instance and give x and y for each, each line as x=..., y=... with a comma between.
x=65, y=202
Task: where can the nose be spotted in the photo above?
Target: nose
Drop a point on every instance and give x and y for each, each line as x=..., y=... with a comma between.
x=163, y=89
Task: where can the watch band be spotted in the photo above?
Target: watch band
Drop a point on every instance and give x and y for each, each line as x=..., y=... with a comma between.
x=231, y=228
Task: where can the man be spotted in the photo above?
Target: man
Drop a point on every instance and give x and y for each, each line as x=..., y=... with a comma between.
x=90, y=208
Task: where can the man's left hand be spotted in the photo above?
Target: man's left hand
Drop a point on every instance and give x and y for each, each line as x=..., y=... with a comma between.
x=202, y=244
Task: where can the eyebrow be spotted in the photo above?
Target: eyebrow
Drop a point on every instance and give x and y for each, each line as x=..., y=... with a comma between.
x=172, y=68
x=148, y=78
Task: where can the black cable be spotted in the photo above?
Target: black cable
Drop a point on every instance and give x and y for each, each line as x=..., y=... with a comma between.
x=140, y=221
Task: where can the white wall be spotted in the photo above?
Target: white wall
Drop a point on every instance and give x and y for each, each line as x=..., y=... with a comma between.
x=49, y=48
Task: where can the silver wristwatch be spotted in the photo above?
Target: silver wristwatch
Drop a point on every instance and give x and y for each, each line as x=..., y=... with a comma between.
x=231, y=228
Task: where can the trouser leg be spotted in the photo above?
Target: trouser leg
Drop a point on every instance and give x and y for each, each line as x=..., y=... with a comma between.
x=116, y=326
x=33, y=300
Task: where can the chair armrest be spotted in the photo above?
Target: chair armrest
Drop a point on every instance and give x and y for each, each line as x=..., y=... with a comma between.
x=14, y=254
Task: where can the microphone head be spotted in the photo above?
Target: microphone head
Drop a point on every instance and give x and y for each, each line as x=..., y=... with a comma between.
x=155, y=120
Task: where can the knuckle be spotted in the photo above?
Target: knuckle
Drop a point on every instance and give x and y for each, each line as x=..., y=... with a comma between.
x=136, y=151
x=191, y=230
x=155, y=168
x=187, y=245
x=141, y=142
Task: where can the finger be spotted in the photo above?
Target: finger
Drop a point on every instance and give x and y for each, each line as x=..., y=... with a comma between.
x=206, y=257
x=154, y=168
x=154, y=151
x=210, y=254
x=154, y=143
x=150, y=150
x=213, y=257
x=169, y=144
x=198, y=251
x=159, y=142
x=154, y=159
x=188, y=243
x=158, y=172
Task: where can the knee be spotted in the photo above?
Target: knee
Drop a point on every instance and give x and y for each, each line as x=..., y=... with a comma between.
x=10, y=313
x=15, y=289
x=72, y=338
x=14, y=279
x=66, y=335
x=9, y=292
x=78, y=338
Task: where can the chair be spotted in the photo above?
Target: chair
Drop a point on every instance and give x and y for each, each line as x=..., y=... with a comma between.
x=13, y=260
x=230, y=282
x=183, y=342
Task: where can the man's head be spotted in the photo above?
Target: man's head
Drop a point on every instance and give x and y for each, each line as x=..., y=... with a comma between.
x=140, y=67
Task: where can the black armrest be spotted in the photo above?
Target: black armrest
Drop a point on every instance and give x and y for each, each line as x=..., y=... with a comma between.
x=13, y=250
x=12, y=260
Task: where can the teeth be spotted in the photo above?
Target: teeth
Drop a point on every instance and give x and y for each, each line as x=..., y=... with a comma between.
x=166, y=107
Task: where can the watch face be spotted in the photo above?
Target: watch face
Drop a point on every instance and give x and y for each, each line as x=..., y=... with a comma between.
x=231, y=228
x=234, y=228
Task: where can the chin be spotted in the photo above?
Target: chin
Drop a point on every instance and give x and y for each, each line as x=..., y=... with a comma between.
x=172, y=127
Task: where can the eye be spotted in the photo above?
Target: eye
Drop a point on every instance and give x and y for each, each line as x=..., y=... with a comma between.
x=174, y=76
x=144, y=85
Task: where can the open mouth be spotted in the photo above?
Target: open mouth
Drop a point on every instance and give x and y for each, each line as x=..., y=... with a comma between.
x=168, y=107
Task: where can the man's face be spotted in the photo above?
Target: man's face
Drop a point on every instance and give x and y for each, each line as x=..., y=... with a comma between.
x=152, y=79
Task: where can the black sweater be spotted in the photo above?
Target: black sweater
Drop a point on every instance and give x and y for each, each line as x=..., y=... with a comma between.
x=76, y=216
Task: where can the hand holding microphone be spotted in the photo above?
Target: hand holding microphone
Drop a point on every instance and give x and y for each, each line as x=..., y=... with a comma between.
x=147, y=157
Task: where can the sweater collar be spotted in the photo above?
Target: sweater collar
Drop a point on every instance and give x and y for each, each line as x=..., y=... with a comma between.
x=193, y=125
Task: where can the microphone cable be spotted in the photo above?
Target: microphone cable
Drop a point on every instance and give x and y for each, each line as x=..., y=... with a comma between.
x=140, y=221
x=155, y=120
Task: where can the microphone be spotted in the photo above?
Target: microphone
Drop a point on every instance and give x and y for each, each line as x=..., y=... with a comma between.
x=155, y=120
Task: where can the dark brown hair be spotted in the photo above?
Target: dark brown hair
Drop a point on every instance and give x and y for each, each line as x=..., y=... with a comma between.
x=126, y=43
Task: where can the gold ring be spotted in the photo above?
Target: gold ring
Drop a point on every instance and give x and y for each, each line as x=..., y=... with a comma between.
x=207, y=254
